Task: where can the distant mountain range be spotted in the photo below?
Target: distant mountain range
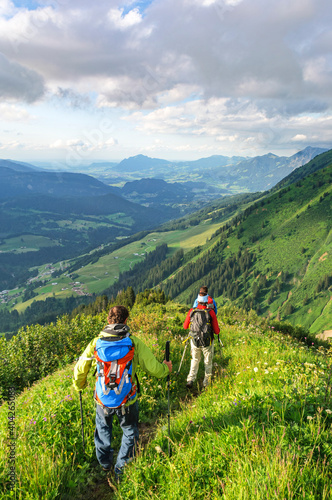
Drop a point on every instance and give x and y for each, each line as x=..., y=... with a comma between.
x=154, y=181
x=222, y=174
x=20, y=180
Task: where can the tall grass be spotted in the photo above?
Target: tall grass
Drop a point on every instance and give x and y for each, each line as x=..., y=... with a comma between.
x=262, y=430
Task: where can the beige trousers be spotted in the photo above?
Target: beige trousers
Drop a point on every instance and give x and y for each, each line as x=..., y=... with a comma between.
x=196, y=354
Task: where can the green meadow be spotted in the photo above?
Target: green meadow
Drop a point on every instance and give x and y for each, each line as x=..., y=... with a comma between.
x=26, y=243
x=96, y=277
x=261, y=430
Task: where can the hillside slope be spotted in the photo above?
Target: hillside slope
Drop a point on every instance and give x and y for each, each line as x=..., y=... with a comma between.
x=275, y=257
x=16, y=183
x=261, y=430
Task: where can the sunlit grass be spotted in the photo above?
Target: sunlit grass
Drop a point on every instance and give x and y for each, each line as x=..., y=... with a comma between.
x=262, y=430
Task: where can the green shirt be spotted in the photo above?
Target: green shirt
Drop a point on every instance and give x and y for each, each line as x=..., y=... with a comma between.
x=143, y=356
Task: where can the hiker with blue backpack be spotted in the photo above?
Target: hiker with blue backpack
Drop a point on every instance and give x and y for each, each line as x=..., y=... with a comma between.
x=211, y=303
x=203, y=324
x=117, y=354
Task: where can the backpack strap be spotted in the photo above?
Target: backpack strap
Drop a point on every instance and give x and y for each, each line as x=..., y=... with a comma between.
x=118, y=390
x=115, y=338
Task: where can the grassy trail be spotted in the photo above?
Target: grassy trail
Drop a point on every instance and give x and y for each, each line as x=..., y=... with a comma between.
x=261, y=431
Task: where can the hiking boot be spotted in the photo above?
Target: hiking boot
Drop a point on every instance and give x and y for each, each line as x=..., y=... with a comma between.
x=190, y=384
x=206, y=381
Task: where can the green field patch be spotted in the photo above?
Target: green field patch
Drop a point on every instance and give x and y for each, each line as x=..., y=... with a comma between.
x=121, y=260
x=93, y=222
x=26, y=243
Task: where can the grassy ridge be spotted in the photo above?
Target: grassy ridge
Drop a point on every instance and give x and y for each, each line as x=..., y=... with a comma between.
x=290, y=233
x=263, y=430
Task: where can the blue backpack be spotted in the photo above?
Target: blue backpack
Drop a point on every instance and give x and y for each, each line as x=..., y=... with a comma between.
x=114, y=384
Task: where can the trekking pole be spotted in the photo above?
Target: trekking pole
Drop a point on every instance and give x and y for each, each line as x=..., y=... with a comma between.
x=82, y=425
x=184, y=351
x=168, y=405
x=221, y=345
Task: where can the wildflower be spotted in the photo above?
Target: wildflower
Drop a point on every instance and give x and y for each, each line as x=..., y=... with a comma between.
x=44, y=419
x=256, y=369
x=309, y=417
x=328, y=411
x=266, y=372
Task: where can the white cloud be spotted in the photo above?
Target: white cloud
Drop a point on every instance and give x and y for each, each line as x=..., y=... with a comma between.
x=6, y=8
x=12, y=146
x=228, y=70
x=121, y=21
x=299, y=137
x=83, y=146
x=13, y=113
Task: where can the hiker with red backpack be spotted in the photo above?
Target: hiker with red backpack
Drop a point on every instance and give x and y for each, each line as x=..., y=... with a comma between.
x=117, y=354
x=203, y=324
x=211, y=302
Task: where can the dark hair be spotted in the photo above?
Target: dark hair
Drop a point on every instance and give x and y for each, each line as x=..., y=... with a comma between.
x=117, y=314
x=203, y=290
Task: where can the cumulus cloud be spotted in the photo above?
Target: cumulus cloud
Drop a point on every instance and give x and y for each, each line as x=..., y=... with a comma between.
x=18, y=82
x=248, y=48
x=232, y=70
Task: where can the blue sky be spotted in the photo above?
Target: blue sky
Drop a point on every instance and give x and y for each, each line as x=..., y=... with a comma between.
x=83, y=81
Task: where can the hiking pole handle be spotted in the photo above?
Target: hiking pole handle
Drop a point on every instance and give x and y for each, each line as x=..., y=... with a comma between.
x=167, y=350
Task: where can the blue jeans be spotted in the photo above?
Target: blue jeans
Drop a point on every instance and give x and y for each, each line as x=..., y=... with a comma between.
x=128, y=419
